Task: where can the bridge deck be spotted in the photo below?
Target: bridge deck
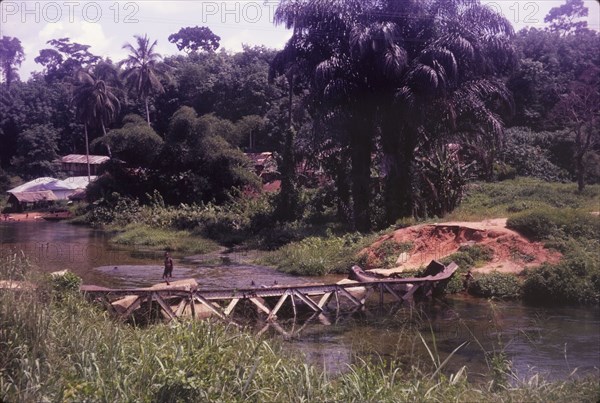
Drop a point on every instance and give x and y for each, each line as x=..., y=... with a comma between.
x=222, y=302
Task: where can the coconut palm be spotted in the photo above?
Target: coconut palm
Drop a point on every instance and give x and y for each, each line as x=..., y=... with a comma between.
x=95, y=103
x=141, y=72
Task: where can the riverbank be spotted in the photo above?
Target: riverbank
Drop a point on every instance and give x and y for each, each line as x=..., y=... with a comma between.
x=548, y=231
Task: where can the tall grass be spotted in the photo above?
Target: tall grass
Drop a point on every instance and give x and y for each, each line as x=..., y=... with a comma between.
x=64, y=349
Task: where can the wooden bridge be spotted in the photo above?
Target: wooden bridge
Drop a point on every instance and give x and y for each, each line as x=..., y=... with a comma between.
x=184, y=299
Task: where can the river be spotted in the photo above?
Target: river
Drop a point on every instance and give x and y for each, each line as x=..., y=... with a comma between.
x=554, y=342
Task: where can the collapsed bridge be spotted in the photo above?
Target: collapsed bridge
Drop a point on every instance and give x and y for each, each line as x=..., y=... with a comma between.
x=185, y=298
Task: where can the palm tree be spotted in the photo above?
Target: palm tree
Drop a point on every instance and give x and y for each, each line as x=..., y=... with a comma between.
x=453, y=84
x=354, y=59
x=141, y=72
x=95, y=103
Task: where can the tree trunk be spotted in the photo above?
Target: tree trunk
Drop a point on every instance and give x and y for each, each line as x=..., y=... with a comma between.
x=147, y=110
x=343, y=189
x=106, y=143
x=360, y=154
x=580, y=172
x=288, y=195
x=390, y=143
x=87, y=152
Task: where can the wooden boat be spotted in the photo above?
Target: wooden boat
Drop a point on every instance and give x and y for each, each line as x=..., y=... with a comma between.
x=56, y=216
x=433, y=269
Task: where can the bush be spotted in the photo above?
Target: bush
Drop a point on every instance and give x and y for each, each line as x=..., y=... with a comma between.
x=387, y=252
x=67, y=283
x=545, y=223
x=528, y=154
x=576, y=279
x=496, y=285
x=317, y=256
x=469, y=256
x=466, y=258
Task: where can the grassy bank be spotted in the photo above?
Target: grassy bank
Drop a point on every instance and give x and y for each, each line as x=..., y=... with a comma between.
x=162, y=239
x=511, y=197
x=41, y=360
x=553, y=213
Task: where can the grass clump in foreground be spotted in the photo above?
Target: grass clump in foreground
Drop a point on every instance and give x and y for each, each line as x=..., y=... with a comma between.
x=63, y=349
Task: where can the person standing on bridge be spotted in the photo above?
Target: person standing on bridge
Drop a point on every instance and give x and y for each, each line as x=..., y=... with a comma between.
x=168, y=273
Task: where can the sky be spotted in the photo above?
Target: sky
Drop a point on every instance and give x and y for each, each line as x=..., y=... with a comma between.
x=107, y=25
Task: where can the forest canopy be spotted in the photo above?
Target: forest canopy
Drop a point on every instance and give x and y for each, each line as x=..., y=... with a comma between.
x=392, y=114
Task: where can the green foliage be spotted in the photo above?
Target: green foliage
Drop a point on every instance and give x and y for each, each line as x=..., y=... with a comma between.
x=197, y=164
x=441, y=181
x=575, y=279
x=532, y=154
x=41, y=360
x=14, y=266
x=36, y=152
x=496, y=285
x=506, y=198
x=192, y=39
x=468, y=257
x=386, y=253
x=543, y=224
x=136, y=143
x=159, y=239
x=4, y=181
x=65, y=283
x=317, y=256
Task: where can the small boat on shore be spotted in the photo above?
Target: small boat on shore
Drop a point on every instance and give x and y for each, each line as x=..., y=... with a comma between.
x=57, y=216
x=433, y=269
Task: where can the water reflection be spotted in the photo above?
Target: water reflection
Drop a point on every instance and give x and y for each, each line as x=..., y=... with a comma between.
x=552, y=342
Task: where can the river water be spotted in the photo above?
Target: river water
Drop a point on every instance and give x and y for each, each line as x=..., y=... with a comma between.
x=554, y=342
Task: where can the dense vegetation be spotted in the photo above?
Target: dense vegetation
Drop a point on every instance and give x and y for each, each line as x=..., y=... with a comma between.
x=396, y=115
x=207, y=361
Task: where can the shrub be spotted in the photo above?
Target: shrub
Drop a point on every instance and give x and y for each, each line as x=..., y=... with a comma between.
x=387, y=252
x=528, y=154
x=317, y=256
x=66, y=283
x=466, y=258
x=576, y=279
x=496, y=285
x=545, y=223
x=469, y=256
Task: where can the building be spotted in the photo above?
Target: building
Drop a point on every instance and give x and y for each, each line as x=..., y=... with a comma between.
x=18, y=202
x=76, y=164
x=265, y=165
x=42, y=191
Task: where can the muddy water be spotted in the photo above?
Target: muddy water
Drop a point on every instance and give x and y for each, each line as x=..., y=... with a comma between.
x=552, y=341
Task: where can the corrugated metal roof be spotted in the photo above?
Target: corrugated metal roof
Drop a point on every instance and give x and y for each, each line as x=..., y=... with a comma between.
x=41, y=184
x=81, y=159
x=33, y=185
x=74, y=182
x=259, y=158
x=32, y=197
